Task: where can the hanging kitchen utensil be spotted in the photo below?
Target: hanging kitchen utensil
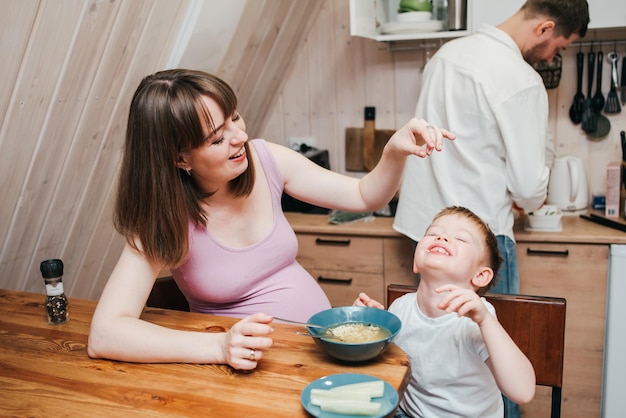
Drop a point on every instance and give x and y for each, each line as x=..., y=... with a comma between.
x=623, y=81
x=597, y=102
x=602, y=129
x=589, y=122
x=612, y=104
x=550, y=72
x=622, y=135
x=603, y=125
x=576, y=110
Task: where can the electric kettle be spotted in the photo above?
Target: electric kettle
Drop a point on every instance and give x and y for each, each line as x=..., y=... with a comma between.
x=567, y=187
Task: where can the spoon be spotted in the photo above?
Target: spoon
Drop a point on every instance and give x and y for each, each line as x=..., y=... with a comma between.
x=305, y=324
x=576, y=110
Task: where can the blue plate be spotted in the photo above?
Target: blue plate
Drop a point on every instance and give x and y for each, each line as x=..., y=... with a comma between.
x=389, y=400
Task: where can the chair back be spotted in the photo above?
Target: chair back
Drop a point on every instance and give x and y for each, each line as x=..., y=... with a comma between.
x=536, y=324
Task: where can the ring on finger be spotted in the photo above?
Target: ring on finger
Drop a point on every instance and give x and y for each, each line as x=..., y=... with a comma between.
x=252, y=356
x=430, y=127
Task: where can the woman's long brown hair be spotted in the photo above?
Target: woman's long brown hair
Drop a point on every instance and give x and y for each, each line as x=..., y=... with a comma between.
x=155, y=199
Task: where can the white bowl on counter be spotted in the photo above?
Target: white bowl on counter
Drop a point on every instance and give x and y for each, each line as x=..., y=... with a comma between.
x=546, y=217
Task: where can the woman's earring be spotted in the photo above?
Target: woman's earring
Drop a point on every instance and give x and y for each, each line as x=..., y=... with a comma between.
x=188, y=171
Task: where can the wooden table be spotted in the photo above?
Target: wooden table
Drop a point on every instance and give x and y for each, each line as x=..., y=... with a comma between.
x=45, y=370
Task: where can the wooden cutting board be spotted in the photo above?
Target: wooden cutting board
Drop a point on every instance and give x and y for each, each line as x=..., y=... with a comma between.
x=355, y=147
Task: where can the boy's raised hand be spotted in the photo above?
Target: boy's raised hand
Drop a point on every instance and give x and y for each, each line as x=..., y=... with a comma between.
x=465, y=302
x=365, y=300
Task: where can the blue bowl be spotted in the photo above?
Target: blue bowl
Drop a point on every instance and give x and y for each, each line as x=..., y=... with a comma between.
x=354, y=352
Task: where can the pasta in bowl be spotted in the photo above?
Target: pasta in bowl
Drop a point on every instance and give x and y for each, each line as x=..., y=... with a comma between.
x=358, y=333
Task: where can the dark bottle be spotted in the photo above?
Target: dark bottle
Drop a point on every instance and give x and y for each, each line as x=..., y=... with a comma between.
x=56, y=301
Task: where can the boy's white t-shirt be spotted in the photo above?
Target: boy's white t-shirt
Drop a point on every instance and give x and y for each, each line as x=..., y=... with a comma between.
x=449, y=375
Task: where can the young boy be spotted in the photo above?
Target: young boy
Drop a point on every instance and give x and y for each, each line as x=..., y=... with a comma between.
x=462, y=360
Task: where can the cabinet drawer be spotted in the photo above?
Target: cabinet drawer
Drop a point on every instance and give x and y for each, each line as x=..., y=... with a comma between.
x=340, y=252
x=343, y=287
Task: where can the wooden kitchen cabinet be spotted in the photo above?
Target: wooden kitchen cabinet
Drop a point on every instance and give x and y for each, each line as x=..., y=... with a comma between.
x=345, y=265
x=577, y=272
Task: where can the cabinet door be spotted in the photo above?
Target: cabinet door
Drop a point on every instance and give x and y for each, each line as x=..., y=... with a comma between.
x=398, y=262
x=578, y=273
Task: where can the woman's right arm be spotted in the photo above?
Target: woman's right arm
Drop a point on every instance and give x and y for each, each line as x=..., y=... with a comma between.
x=117, y=332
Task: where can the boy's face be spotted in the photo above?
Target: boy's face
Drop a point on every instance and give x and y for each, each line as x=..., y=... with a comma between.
x=452, y=249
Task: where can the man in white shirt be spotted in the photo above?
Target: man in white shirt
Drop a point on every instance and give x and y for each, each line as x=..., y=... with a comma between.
x=484, y=88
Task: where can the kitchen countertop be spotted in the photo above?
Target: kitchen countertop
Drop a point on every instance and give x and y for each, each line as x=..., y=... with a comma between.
x=575, y=229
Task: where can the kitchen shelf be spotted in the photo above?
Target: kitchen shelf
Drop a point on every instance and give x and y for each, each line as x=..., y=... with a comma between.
x=368, y=16
x=423, y=35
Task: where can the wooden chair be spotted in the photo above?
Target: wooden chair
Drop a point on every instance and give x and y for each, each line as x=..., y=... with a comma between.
x=536, y=324
x=165, y=294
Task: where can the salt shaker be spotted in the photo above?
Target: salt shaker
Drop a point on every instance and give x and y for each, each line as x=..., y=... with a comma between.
x=56, y=301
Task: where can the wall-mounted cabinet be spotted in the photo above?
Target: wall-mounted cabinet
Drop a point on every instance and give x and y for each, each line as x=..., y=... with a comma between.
x=378, y=19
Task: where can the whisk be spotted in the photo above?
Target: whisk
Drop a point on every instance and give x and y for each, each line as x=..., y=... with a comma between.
x=612, y=104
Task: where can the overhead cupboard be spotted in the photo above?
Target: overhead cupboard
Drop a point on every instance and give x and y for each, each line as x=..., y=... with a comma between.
x=378, y=19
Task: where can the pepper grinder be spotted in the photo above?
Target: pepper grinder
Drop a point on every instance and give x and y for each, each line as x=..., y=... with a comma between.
x=56, y=301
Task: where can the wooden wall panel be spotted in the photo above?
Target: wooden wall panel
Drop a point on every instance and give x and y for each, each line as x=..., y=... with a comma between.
x=295, y=108
x=160, y=28
x=25, y=137
x=350, y=83
x=269, y=35
x=79, y=63
x=322, y=87
x=65, y=150
x=16, y=21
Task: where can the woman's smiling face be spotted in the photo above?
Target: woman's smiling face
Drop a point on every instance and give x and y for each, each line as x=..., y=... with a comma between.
x=222, y=157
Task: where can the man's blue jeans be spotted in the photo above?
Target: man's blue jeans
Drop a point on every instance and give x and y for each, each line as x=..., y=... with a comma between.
x=508, y=282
